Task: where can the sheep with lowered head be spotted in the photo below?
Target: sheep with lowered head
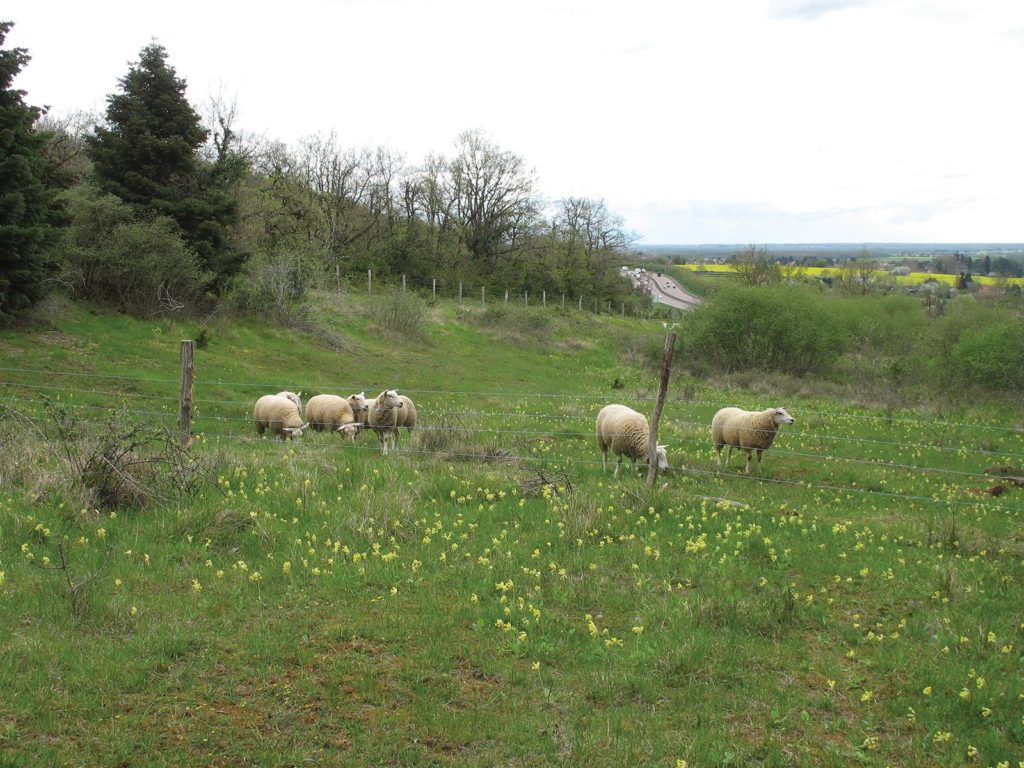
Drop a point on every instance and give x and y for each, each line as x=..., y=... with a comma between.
x=338, y=414
x=278, y=414
x=382, y=417
x=626, y=433
x=746, y=430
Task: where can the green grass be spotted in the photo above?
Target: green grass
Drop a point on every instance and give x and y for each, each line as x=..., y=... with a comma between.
x=443, y=606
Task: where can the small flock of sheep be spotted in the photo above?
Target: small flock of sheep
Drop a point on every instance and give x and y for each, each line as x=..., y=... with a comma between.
x=384, y=414
x=619, y=428
x=627, y=433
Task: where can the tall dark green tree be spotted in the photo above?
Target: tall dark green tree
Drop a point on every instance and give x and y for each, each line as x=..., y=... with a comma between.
x=27, y=209
x=148, y=155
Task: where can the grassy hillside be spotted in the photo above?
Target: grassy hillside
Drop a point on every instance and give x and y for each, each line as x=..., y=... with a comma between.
x=487, y=596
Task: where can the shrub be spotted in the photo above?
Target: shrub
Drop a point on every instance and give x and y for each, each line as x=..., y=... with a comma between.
x=513, y=321
x=272, y=286
x=399, y=312
x=977, y=346
x=777, y=328
x=142, y=266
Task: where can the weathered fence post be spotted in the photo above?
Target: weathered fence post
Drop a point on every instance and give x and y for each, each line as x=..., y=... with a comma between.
x=609, y=306
x=188, y=374
x=369, y=281
x=563, y=301
x=460, y=293
x=403, y=283
x=622, y=311
x=506, y=295
x=526, y=298
x=581, y=303
x=544, y=298
x=652, y=442
x=483, y=296
x=433, y=288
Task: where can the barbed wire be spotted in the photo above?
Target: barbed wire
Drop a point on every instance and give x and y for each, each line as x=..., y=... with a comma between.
x=472, y=393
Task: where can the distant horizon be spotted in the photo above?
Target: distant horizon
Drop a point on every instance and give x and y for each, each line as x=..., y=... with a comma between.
x=841, y=244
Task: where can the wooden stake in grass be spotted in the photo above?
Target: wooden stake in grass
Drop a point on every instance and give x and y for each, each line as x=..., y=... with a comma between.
x=188, y=372
x=652, y=441
x=369, y=281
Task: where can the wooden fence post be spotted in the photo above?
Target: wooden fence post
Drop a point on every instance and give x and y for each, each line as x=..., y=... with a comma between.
x=652, y=441
x=581, y=303
x=506, y=295
x=563, y=301
x=622, y=312
x=460, y=293
x=544, y=298
x=369, y=281
x=433, y=288
x=483, y=296
x=403, y=283
x=188, y=374
x=526, y=298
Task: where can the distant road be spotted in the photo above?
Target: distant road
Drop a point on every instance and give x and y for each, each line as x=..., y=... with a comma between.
x=665, y=290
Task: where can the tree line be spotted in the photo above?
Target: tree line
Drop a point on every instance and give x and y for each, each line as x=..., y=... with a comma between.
x=155, y=207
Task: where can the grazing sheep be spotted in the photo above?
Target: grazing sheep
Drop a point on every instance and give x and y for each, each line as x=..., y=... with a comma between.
x=626, y=432
x=278, y=414
x=382, y=418
x=746, y=430
x=331, y=412
x=407, y=414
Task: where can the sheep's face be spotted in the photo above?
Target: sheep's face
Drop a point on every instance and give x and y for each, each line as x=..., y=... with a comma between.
x=349, y=430
x=291, y=432
x=389, y=399
x=662, y=454
x=358, y=402
x=781, y=417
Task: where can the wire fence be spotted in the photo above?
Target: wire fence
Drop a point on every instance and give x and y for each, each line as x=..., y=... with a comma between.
x=506, y=426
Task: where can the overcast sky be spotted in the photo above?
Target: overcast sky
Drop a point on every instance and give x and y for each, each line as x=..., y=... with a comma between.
x=739, y=121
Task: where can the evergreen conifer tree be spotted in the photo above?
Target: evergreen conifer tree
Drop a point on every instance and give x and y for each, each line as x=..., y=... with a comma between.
x=27, y=208
x=148, y=156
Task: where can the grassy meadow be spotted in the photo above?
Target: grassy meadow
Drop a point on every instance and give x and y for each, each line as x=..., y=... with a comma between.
x=488, y=596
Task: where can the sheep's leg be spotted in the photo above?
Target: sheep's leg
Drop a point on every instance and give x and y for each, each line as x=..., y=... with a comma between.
x=728, y=457
x=746, y=469
x=618, y=465
x=604, y=459
x=718, y=451
x=759, y=452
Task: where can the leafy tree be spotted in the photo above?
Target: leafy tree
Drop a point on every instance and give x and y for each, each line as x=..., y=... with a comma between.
x=148, y=155
x=27, y=191
x=755, y=266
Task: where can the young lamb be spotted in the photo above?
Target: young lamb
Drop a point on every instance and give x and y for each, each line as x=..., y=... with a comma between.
x=278, y=414
x=382, y=418
x=746, y=430
x=626, y=432
x=335, y=413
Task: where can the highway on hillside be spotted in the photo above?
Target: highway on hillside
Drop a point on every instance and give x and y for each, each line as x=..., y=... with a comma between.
x=665, y=290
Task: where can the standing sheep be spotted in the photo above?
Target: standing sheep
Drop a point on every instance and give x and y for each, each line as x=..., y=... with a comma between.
x=407, y=414
x=626, y=432
x=335, y=413
x=278, y=414
x=746, y=430
x=382, y=418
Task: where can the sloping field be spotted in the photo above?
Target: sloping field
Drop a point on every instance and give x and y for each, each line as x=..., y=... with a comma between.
x=914, y=278
x=488, y=596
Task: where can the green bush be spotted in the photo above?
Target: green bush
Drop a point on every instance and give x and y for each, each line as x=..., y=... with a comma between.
x=142, y=266
x=513, y=321
x=777, y=328
x=977, y=347
x=399, y=312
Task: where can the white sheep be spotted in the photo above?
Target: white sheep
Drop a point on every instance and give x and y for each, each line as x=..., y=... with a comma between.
x=746, y=430
x=278, y=414
x=626, y=432
x=382, y=418
x=407, y=414
x=335, y=413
